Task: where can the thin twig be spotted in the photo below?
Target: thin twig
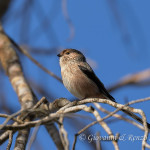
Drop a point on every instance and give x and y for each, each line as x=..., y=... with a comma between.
x=68, y=20
x=119, y=116
x=63, y=134
x=141, y=78
x=10, y=140
x=98, y=142
x=34, y=61
x=33, y=137
x=14, y=119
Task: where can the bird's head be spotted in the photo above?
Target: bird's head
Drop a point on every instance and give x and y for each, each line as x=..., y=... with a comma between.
x=70, y=55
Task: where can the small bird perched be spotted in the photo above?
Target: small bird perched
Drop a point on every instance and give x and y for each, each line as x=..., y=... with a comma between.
x=79, y=78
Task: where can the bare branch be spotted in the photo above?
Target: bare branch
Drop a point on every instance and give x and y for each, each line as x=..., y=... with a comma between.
x=34, y=61
x=138, y=79
x=72, y=107
x=11, y=64
x=118, y=116
x=98, y=143
x=68, y=20
x=10, y=140
x=32, y=139
x=63, y=134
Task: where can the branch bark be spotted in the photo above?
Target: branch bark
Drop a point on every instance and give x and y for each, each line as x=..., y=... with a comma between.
x=12, y=66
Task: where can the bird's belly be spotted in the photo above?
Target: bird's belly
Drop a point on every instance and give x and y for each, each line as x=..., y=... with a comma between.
x=79, y=85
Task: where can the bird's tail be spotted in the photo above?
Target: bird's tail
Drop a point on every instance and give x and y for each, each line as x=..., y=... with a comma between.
x=135, y=117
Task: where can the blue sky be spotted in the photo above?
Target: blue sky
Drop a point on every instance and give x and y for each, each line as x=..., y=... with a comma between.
x=113, y=35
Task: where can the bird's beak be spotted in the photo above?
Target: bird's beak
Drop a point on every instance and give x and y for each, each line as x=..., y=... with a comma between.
x=59, y=55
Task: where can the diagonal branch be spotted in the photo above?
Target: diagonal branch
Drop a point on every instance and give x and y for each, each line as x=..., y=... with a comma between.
x=11, y=64
x=138, y=79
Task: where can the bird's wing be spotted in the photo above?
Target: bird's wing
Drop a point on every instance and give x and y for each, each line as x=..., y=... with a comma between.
x=87, y=70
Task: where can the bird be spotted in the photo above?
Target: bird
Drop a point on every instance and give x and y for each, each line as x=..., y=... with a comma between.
x=80, y=80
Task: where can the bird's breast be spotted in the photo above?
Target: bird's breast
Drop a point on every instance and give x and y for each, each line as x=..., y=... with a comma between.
x=77, y=82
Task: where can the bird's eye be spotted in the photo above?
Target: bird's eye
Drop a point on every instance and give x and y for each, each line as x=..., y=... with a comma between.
x=67, y=53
